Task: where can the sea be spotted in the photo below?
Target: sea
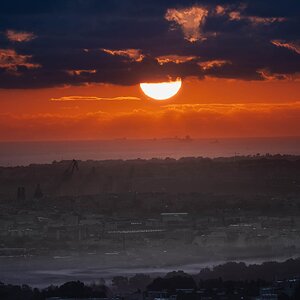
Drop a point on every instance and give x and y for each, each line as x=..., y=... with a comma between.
x=42, y=152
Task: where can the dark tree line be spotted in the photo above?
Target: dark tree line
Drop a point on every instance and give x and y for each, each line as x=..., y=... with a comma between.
x=230, y=279
x=72, y=289
x=240, y=271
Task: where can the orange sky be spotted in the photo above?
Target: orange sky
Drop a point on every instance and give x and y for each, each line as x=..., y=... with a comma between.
x=202, y=108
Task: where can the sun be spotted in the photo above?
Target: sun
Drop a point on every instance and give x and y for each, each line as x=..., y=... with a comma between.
x=161, y=90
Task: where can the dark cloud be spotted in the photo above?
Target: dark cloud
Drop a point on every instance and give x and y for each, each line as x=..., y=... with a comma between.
x=233, y=31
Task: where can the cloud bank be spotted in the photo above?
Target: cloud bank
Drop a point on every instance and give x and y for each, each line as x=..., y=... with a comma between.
x=126, y=43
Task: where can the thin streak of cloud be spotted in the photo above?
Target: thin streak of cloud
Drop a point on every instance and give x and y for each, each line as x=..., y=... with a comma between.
x=11, y=60
x=237, y=15
x=80, y=72
x=269, y=76
x=255, y=20
x=94, y=98
x=224, y=108
x=19, y=36
x=210, y=64
x=177, y=59
x=293, y=46
x=132, y=54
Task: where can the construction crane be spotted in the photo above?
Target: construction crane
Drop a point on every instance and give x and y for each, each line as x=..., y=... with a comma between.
x=71, y=169
x=66, y=176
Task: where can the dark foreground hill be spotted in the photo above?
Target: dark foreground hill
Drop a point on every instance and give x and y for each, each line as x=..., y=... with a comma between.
x=226, y=282
x=274, y=175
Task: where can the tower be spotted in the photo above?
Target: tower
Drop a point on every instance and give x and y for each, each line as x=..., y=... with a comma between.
x=21, y=195
x=38, y=194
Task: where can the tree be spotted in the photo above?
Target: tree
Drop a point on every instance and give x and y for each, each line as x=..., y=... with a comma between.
x=120, y=282
x=139, y=281
x=73, y=289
